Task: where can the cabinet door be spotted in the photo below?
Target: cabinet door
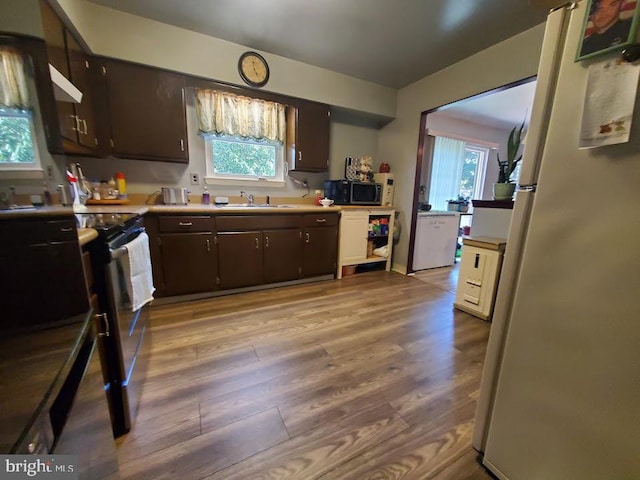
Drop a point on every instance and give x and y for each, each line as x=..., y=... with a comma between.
x=54, y=36
x=240, y=259
x=147, y=112
x=311, y=150
x=282, y=255
x=81, y=76
x=320, y=251
x=353, y=237
x=188, y=263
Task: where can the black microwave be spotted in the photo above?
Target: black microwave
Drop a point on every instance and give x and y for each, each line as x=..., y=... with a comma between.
x=345, y=192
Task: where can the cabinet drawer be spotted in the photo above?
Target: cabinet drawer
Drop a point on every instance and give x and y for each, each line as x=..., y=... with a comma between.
x=319, y=220
x=22, y=233
x=62, y=231
x=236, y=223
x=176, y=224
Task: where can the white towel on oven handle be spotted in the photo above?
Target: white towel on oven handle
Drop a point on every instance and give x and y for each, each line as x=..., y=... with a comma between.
x=136, y=266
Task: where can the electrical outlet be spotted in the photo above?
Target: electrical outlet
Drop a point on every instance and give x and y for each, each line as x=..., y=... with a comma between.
x=50, y=171
x=195, y=178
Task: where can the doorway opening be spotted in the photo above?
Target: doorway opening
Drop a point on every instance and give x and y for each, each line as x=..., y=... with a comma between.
x=458, y=149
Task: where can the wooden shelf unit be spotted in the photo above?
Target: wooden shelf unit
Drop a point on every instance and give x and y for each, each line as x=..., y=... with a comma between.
x=354, y=236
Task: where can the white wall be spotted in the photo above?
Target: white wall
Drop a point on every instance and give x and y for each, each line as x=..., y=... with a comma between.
x=443, y=123
x=129, y=37
x=509, y=61
x=351, y=141
x=21, y=16
x=148, y=177
x=116, y=34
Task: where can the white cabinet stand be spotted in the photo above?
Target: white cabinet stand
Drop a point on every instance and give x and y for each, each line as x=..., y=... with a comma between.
x=355, y=236
x=480, y=266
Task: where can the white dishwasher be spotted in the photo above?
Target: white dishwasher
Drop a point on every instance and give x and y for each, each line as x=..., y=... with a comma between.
x=436, y=239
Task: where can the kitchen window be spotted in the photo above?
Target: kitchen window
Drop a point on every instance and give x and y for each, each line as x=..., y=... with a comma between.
x=244, y=138
x=17, y=138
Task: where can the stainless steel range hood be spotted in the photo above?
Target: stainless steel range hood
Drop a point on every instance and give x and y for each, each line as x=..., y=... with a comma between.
x=63, y=89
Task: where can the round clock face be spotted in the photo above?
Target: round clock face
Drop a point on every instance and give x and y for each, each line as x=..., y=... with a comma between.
x=253, y=69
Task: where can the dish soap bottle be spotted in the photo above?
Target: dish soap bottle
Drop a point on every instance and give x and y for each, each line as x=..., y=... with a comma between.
x=206, y=198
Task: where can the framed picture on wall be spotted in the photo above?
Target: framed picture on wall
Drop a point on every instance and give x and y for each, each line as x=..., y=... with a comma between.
x=609, y=25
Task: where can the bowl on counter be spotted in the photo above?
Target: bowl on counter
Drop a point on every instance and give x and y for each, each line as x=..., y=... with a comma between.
x=425, y=207
x=326, y=202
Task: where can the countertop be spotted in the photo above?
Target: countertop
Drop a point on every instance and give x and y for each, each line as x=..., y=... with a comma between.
x=190, y=208
x=438, y=213
x=213, y=209
x=85, y=235
x=490, y=243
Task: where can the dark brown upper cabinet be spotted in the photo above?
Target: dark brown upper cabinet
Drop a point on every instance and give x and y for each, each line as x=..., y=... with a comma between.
x=81, y=72
x=72, y=128
x=146, y=110
x=308, y=137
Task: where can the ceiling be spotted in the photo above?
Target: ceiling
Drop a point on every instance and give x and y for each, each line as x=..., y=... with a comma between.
x=392, y=43
x=502, y=109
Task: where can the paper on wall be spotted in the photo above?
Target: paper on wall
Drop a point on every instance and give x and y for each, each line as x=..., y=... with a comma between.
x=608, y=104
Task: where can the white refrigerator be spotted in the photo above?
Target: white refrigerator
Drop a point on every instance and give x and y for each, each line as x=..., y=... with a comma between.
x=560, y=391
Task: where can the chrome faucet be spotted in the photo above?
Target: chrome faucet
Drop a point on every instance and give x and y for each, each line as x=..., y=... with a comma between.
x=248, y=196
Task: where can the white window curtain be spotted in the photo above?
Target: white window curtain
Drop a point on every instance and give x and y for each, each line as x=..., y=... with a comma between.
x=446, y=171
x=14, y=92
x=228, y=114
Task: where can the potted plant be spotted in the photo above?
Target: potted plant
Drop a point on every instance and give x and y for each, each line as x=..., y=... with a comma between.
x=460, y=204
x=503, y=189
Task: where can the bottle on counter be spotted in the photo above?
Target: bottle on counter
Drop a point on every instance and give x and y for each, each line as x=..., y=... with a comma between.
x=121, y=184
x=206, y=198
x=319, y=197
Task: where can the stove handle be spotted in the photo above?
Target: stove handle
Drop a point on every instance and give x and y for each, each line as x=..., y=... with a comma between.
x=105, y=322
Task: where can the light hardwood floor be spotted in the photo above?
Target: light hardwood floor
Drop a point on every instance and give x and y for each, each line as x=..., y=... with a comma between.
x=374, y=376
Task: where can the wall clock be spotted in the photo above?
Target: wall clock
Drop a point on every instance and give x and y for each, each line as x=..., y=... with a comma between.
x=253, y=69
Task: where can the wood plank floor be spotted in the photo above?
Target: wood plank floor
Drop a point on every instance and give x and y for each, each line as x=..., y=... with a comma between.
x=374, y=376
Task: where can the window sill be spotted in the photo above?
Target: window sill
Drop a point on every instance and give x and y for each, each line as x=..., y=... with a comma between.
x=30, y=174
x=243, y=183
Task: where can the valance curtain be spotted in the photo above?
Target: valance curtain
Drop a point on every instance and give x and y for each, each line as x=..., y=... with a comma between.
x=446, y=171
x=228, y=114
x=14, y=92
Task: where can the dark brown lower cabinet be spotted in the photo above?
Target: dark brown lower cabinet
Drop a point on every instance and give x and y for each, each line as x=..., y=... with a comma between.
x=188, y=263
x=320, y=251
x=43, y=279
x=240, y=259
x=282, y=255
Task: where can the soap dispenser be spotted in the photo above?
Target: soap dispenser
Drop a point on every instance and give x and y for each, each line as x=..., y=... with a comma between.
x=206, y=198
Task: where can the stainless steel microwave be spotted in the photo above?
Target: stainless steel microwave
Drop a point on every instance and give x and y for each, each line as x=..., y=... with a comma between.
x=346, y=192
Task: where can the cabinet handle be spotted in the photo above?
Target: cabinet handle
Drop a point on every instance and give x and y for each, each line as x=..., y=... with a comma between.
x=77, y=127
x=306, y=238
x=300, y=155
x=185, y=224
x=257, y=243
x=66, y=229
x=84, y=123
x=181, y=145
x=105, y=322
x=208, y=245
x=266, y=242
x=321, y=220
x=86, y=64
